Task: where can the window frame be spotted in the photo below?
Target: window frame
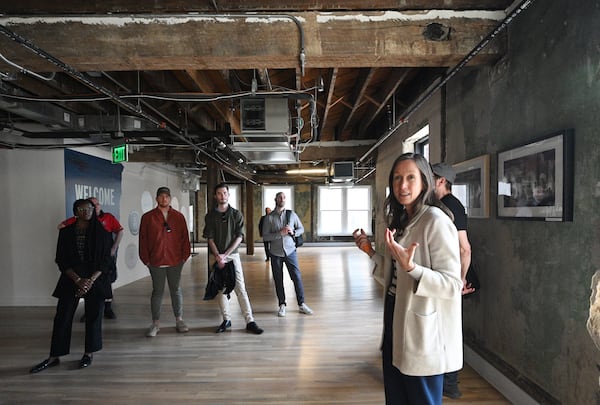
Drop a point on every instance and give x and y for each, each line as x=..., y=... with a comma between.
x=269, y=192
x=345, y=231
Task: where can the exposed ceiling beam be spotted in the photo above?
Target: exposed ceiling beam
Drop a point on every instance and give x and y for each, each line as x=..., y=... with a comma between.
x=182, y=6
x=328, y=101
x=378, y=39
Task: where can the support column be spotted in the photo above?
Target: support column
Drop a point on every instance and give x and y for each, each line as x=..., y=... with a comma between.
x=250, y=218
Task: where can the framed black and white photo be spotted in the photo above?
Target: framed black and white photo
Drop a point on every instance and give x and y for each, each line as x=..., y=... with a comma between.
x=471, y=186
x=535, y=181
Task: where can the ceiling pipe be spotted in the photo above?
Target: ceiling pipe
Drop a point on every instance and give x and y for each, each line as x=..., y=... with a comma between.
x=113, y=96
x=514, y=11
x=75, y=74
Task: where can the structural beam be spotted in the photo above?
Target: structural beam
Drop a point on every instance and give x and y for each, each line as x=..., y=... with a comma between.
x=188, y=42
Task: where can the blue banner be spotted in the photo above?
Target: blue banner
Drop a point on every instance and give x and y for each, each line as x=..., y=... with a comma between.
x=87, y=176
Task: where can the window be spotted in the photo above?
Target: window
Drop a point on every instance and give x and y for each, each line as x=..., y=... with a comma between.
x=344, y=209
x=269, y=193
x=422, y=147
x=234, y=195
x=418, y=142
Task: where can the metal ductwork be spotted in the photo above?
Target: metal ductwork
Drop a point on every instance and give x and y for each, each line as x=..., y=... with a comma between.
x=58, y=122
x=50, y=115
x=266, y=127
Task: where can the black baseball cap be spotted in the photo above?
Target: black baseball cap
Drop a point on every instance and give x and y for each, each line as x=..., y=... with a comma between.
x=163, y=190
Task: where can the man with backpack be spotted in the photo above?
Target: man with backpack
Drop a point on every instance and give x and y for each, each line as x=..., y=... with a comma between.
x=281, y=228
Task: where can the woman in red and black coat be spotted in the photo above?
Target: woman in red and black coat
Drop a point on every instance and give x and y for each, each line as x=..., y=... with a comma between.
x=83, y=257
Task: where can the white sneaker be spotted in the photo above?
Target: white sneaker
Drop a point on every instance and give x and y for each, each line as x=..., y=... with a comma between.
x=152, y=330
x=181, y=327
x=304, y=309
x=281, y=312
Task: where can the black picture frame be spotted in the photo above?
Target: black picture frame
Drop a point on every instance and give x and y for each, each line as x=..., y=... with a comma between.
x=471, y=186
x=535, y=181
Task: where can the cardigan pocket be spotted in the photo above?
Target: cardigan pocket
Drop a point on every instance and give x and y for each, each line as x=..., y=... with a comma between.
x=423, y=334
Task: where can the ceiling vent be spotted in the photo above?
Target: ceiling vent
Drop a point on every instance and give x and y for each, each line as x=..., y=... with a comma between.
x=265, y=125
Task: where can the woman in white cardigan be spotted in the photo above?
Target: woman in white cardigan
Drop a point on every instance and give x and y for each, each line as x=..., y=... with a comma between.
x=422, y=337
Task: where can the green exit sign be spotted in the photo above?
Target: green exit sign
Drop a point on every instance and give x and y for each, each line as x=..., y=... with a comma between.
x=119, y=153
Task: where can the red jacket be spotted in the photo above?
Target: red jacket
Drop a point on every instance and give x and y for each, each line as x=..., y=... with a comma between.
x=164, y=242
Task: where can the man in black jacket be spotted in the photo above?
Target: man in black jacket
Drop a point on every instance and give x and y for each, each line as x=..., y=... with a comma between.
x=445, y=175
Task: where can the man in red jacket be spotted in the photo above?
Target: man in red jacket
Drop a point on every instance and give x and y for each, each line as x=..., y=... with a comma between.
x=164, y=248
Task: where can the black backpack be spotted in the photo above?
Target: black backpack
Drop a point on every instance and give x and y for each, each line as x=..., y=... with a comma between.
x=298, y=241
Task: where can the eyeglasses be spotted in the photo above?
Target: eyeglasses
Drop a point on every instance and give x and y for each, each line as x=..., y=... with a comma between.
x=167, y=227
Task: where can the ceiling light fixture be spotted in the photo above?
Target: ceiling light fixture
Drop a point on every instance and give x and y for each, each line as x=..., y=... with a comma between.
x=307, y=171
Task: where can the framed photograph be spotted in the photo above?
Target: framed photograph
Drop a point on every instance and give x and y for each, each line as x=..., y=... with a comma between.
x=535, y=181
x=471, y=186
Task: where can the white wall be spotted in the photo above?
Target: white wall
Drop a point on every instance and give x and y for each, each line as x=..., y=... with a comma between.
x=33, y=186
x=139, y=184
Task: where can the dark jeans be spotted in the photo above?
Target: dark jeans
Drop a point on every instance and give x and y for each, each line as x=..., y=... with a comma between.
x=402, y=389
x=63, y=324
x=291, y=262
x=267, y=252
x=451, y=379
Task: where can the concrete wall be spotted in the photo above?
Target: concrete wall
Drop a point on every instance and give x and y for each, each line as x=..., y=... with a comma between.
x=33, y=185
x=532, y=311
x=529, y=320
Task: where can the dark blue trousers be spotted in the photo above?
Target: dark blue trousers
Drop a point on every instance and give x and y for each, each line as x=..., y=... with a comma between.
x=291, y=262
x=401, y=389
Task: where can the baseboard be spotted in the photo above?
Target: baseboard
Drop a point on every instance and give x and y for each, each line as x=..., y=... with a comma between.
x=505, y=386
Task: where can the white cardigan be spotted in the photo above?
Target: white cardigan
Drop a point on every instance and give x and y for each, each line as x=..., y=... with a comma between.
x=427, y=314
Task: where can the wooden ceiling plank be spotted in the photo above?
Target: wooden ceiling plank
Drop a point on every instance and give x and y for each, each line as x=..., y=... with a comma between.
x=391, y=85
x=185, y=6
x=224, y=112
x=360, y=89
x=371, y=100
x=265, y=80
x=119, y=43
x=328, y=101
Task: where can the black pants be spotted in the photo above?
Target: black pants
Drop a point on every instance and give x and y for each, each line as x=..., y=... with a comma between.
x=267, y=249
x=63, y=324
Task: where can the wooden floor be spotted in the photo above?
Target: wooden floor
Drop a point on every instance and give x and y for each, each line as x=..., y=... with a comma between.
x=331, y=357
